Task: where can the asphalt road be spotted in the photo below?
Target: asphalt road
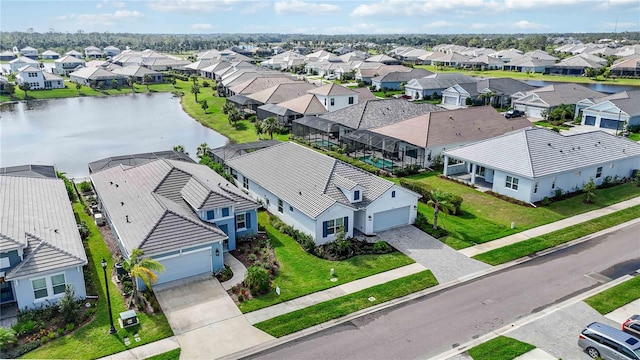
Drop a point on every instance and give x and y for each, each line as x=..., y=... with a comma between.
x=433, y=324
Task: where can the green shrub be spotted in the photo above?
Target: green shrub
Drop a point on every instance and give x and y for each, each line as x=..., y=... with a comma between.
x=25, y=348
x=85, y=186
x=68, y=305
x=51, y=335
x=257, y=280
x=69, y=327
x=425, y=190
x=381, y=247
x=7, y=338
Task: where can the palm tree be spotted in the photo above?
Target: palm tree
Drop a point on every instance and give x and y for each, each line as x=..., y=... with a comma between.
x=269, y=125
x=178, y=148
x=195, y=89
x=258, y=125
x=143, y=268
x=234, y=117
x=147, y=80
x=440, y=201
x=589, y=190
x=173, y=82
x=131, y=81
x=25, y=86
x=202, y=149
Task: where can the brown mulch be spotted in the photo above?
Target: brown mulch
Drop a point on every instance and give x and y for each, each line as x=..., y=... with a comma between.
x=245, y=248
x=111, y=241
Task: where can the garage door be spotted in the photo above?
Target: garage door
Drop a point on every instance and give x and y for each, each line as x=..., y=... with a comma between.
x=185, y=265
x=520, y=107
x=534, y=112
x=450, y=100
x=390, y=218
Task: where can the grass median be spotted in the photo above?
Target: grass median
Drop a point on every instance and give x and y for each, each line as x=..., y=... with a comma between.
x=533, y=245
x=500, y=348
x=317, y=314
x=615, y=297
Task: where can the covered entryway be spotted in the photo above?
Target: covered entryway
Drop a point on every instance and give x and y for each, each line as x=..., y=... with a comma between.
x=390, y=218
x=183, y=265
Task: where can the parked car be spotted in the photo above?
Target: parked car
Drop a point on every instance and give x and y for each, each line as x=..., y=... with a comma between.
x=602, y=341
x=513, y=113
x=331, y=77
x=632, y=325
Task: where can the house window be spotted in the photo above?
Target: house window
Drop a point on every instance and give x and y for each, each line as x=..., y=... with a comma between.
x=350, y=100
x=280, y=206
x=58, y=284
x=325, y=101
x=245, y=182
x=4, y=262
x=599, y=172
x=241, y=222
x=234, y=174
x=39, y=288
x=225, y=211
x=512, y=183
x=535, y=187
x=210, y=215
x=393, y=193
x=356, y=195
x=331, y=227
x=333, y=101
x=290, y=208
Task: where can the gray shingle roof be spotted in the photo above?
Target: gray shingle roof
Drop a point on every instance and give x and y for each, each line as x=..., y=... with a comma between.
x=403, y=75
x=305, y=178
x=35, y=212
x=440, y=81
x=537, y=152
x=557, y=94
x=45, y=171
x=148, y=203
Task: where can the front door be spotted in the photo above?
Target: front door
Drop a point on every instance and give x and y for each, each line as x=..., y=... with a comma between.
x=6, y=293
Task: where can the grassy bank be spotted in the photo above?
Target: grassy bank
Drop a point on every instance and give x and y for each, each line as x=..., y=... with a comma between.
x=540, y=77
x=533, y=245
x=317, y=314
x=615, y=297
x=169, y=355
x=500, y=348
x=93, y=340
x=302, y=273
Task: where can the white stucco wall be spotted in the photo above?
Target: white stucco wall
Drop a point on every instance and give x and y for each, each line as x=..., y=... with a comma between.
x=336, y=211
x=524, y=186
x=23, y=290
x=340, y=101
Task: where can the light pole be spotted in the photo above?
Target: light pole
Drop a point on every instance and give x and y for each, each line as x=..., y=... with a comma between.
x=618, y=122
x=112, y=330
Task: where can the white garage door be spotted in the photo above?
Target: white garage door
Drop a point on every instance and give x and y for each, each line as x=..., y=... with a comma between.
x=391, y=218
x=185, y=265
x=520, y=107
x=450, y=100
x=534, y=112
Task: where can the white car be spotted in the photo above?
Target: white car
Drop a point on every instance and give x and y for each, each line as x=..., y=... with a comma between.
x=331, y=77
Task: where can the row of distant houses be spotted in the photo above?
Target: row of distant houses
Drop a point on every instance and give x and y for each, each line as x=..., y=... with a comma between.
x=90, y=52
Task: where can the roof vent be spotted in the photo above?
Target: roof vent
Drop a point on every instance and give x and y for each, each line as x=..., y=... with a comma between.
x=300, y=192
x=116, y=185
x=127, y=218
x=111, y=182
x=121, y=203
x=56, y=231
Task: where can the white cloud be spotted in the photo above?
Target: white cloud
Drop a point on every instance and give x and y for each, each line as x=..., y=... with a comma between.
x=482, y=26
x=115, y=4
x=104, y=19
x=127, y=14
x=539, y=4
x=190, y=5
x=527, y=25
x=201, y=26
x=418, y=8
x=437, y=24
x=254, y=7
x=301, y=7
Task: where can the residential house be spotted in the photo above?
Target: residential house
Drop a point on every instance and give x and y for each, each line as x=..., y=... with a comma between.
x=50, y=55
x=484, y=62
x=111, y=51
x=38, y=79
x=575, y=65
x=74, y=53
x=420, y=140
x=366, y=71
x=22, y=61
x=508, y=55
x=533, y=103
x=41, y=249
x=496, y=91
x=281, y=92
x=137, y=159
x=527, y=64
x=395, y=80
x=138, y=73
x=7, y=55
x=66, y=65
x=413, y=56
x=92, y=52
x=614, y=111
x=534, y=163
x=29, y=52
x=97, y=77
x=319, y=195
x=226, y=152
x=334, y=97
x=208, y=71
x=182, y=214
x=424, y=88
x=383, y=59
x=305, y=105
x=626, y=67
x=258, y=84
x=450, y=60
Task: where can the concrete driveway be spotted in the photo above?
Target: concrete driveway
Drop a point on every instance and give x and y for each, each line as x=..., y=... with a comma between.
x=205, y=320
x=446, y=263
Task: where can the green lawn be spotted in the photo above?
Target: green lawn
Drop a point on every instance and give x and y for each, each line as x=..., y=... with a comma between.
x=500, y=348
x=485, y=217
x=302, y=273
x=71, y=91
x=615, y=297
x=634, y=137
x=317, y=314
x=533, y=245
x=93, y=340
x=548, y=125
x=388, y=93
x=169, y=355
x=525, y=76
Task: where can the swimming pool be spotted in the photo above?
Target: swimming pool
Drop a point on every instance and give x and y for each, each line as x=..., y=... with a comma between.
x=325, y=143
x=380, y=163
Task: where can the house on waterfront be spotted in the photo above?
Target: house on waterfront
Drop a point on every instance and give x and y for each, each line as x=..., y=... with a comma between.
x=534, y=163
x=22, y=61
x=138, y=73
x=98, y=77
x=39, y=79
x=41, y=251
x=320, y=195
x=497, y=91
x=180, y=213
x=67, y=64
x=613, y=111
x=533, y=103
x=50, y=55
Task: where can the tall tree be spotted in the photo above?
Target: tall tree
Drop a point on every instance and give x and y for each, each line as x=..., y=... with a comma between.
x=227, y=107
x=131, y=81
x=234, y=116
x=204, y=105
x=269, y=125
x=195, y=89
x=439, y=200
x=147, y=80
x=25, y=86
x=141, y=267
x=115, y=84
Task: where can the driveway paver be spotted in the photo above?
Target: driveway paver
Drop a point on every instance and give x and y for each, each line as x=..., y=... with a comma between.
x=444, y=262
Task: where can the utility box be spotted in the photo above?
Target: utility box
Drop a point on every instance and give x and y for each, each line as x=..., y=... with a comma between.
x=99, y=219
x=128, y=318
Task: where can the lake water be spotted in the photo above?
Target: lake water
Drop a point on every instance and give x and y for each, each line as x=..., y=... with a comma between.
x=70, y=133
x=603, y=88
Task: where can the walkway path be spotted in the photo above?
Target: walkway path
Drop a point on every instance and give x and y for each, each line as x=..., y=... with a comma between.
x=238, y=269
x=545, y=229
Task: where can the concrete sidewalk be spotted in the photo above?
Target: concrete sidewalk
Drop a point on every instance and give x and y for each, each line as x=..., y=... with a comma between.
x=146, y=351
x=331, y=293
x=545, y=229
x=238, y=269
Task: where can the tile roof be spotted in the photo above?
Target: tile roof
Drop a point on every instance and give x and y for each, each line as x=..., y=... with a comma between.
x=305, y=104
x=149, y=203
x=35, y=213
x=364, y=94
x=137, y=159
x=95, y=74
x=230, y=150
x=332, y=89
x=306, y=179
x=538, y=152
x=440, y=81
x=45, y=171
x=69, y=59
x=282, y=92
x=260, y=83
x=402, y=75
x=135, y=70
x=627, y=101
x=557, y=94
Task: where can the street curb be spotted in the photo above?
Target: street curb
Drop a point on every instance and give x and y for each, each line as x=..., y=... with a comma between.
x=422, y=293
x=530, y=318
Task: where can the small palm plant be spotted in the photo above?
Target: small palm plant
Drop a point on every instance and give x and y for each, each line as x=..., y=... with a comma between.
x=440, y=200
x=144, y=268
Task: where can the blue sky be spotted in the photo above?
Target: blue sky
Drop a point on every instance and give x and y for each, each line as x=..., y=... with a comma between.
x=322, y=17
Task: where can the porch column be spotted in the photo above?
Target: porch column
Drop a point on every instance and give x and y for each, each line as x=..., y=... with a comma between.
x=446, y=165
x=474, y=168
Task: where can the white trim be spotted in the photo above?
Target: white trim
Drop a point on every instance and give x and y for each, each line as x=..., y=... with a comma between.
x=49, y=287
x=182, y=253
